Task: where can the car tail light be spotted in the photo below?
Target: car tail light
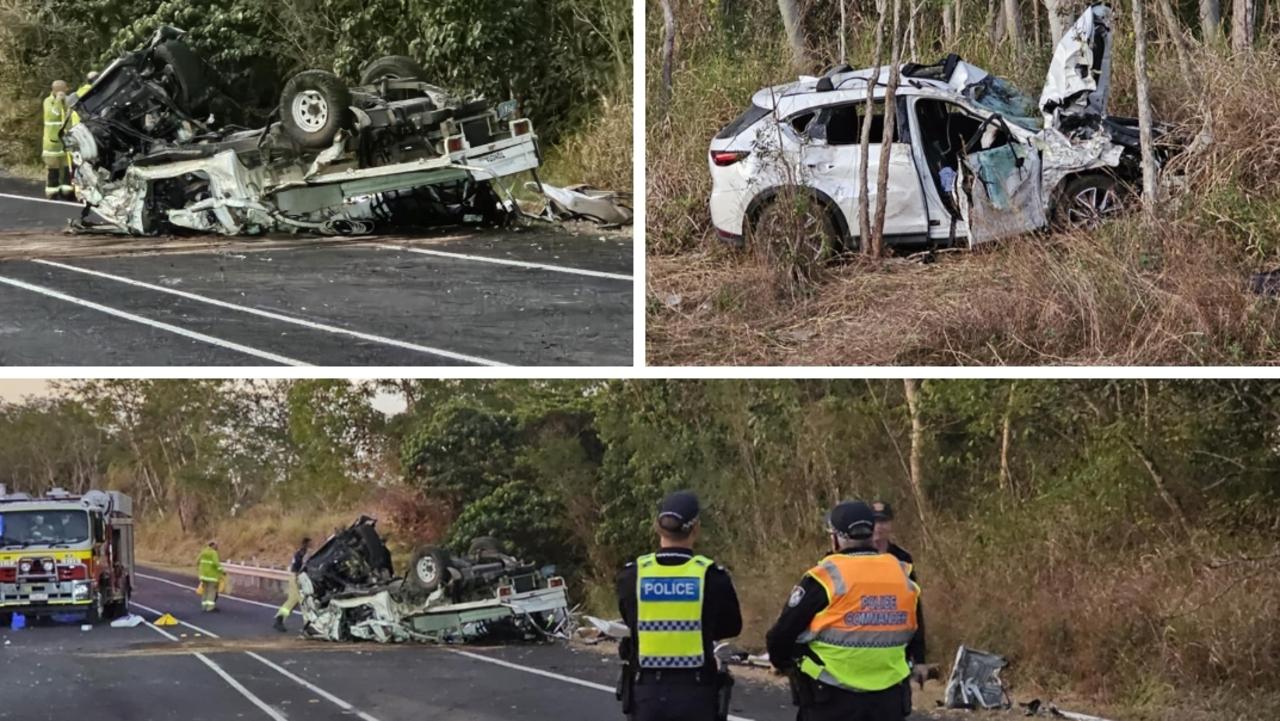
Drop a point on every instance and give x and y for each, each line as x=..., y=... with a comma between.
x=504, y=591
x=8, y=575
x=555, y=582
x=727, y=157
x=455, y=144
x=521, y=127
x=73, y=573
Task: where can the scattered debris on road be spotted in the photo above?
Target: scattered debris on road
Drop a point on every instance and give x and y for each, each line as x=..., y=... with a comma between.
x=577, y=202
x=350, y=592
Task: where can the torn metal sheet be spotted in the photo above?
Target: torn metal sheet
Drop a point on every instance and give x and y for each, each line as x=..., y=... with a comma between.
x=606, y=207
x=1079, y=75
x=975, y=681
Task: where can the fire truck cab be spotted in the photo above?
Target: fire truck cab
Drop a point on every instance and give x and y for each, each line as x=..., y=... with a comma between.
x=64, y=553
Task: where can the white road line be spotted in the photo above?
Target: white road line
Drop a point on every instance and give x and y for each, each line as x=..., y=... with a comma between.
x=229, y=345
x=274, y=714
x=277, y=316
x=516, y=263
x=340, y=703
x=186, y=587
x=41, y=200
x=551, y=675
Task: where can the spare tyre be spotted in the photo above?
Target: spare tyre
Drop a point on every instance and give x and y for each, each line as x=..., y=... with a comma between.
x=314, y=106
x=399, y=66
x=428, y=570
x=181, y=73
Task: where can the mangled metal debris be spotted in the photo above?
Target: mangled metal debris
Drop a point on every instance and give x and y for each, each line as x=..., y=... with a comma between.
x=975, y=681
x=159, y=147
x=606, y=207
x=349, y=591
x=973, y=158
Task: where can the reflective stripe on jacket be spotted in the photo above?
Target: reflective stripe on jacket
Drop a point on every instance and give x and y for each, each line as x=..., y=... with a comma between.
x=55, y=113
x=208, y=566
x=861, y=636
x=669, y=612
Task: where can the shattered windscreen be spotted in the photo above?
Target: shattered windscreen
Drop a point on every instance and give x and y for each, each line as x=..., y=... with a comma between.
x=1003, y=97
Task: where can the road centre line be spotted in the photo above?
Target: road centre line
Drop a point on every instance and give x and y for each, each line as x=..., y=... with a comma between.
x=41, y=200
x=193, y=335
x=515, y=263
x=340, y=703
x=313, y=325
x=221, y=595
x=552, y=675
x=274, y=714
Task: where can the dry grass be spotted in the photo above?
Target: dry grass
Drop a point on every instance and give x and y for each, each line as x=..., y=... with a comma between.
x=600, y=153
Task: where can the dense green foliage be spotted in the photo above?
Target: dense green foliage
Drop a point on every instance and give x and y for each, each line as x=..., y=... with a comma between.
x=1088, y=529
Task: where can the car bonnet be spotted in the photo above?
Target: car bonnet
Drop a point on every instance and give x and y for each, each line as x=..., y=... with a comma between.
x=1079, y=75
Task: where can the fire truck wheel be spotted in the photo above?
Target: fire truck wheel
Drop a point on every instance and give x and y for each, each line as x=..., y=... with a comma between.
x=119, y=608
x=94, y=614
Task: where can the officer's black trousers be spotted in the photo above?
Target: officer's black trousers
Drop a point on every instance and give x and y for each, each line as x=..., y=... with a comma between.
x=890, y=704
x=674, y=702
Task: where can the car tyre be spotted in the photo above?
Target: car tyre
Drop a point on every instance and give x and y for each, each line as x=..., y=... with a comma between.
x=798, y=233
x=428, y=570
x=1085, y=201
x=314, y=106
x=396, y=66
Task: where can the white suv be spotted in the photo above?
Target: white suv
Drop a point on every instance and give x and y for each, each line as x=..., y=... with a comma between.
x=1065, y=160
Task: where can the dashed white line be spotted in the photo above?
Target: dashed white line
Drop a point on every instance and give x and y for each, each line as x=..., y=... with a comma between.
x=228, y=345
x=515, y=263
x=313, y=325
x=340, y=703
x=268, y=710
x=187, y=587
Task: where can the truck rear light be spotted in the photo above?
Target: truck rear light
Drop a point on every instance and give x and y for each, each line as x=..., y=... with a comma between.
x=8, y=575
x=504, y=591
x=521, y=127
x=555, y=582
x=73, y=573
x=727, y=157
x=455, y=144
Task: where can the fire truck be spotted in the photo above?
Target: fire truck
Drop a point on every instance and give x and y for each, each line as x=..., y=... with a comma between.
x=65, y=553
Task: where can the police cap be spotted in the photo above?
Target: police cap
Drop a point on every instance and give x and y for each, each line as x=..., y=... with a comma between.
x=678, y=511
x=852, y=519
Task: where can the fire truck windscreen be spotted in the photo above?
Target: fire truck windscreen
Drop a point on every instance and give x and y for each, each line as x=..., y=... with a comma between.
x=43, y=528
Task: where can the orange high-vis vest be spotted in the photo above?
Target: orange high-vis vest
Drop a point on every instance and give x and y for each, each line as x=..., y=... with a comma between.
x=862, y=635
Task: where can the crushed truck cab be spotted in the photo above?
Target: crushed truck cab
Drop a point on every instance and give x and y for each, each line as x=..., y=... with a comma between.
x=66, y=553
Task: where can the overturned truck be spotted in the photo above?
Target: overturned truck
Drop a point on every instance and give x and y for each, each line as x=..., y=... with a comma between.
x=350, y=591
x=158, y=146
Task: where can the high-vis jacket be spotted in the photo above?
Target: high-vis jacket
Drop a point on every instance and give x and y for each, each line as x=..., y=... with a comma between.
x=55, y=113
x=210, y=568
x=669, y=612
x=860, y=638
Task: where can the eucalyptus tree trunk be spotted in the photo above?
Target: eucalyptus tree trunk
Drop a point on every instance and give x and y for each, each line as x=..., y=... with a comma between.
x=1243, y=15
x=864, y=142
x=886, y=143
x=793, y=25
x=1144, y=109
x=1211, y=21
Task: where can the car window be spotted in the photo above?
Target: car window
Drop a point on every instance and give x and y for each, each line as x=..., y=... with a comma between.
x=801, y=122
x=1003, y=97
x=748, y=118
x=842, y=124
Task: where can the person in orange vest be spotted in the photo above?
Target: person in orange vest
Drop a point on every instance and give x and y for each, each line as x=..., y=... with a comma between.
x=852, y=633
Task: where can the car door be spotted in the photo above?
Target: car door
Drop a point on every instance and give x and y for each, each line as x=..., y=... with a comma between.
x=1001, y=190
x=830, y=160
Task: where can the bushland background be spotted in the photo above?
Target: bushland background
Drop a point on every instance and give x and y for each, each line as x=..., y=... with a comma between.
x=1117, y=540
x=567, y=61
x=1168, y=288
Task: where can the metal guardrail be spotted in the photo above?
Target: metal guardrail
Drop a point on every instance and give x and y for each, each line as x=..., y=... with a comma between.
x=255, y=571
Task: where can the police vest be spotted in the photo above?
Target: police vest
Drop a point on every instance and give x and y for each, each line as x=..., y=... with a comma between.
x=860, y=638
x=55, y=113
x=669, y=612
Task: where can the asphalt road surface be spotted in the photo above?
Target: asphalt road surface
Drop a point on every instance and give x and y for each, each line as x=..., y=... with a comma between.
x=540, y=296
x=231, y=665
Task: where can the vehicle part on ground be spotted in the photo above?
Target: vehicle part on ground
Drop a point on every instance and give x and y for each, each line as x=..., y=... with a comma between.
x=65, y=552
x=797, y=231
x=159, y=149
x=349, y=591
x=975, y=681
x=1086, y=201
x=972, y=160
x=606, y=207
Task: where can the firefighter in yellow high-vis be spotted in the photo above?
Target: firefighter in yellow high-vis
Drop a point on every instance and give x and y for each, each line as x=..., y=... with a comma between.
x=58, y=184
x=209, y=570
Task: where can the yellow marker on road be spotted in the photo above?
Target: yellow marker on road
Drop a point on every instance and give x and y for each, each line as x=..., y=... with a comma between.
x=166, y=620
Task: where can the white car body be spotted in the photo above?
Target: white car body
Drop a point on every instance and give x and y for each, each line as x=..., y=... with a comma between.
x=786, y=142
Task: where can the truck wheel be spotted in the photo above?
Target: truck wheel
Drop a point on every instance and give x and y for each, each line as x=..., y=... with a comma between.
x=95, y=612
x=314, y=106
x=119, y=608
x=1085, y=201
x=400, y=66
x=429, y=569
x=182, y=74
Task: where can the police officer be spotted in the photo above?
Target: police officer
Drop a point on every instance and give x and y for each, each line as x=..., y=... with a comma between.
x=882, y=537
x=676, y=605
x=849, y=627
